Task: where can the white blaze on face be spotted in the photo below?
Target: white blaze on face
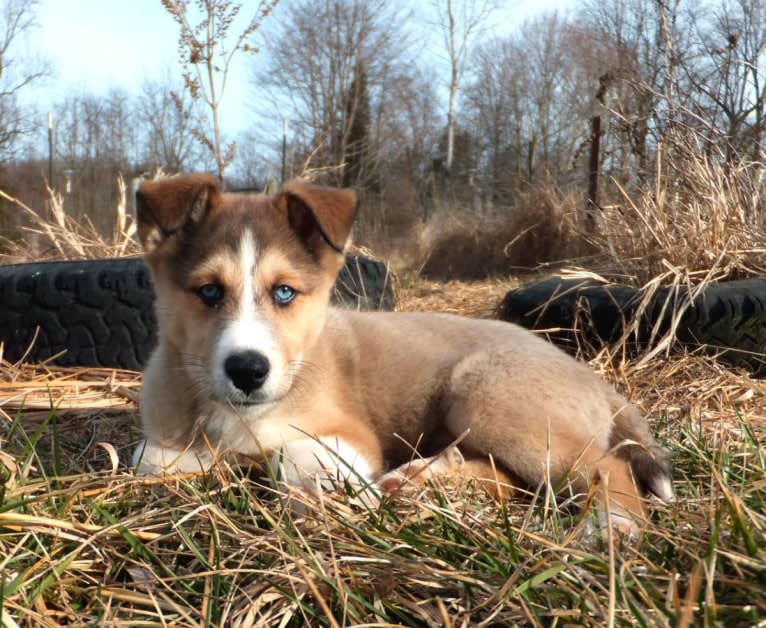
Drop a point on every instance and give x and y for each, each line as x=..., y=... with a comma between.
x=248, y=331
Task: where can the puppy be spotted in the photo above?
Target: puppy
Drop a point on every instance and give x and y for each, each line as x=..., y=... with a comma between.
x=252, y=360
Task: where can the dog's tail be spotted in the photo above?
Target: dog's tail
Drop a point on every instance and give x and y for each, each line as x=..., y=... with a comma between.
x=631, y=440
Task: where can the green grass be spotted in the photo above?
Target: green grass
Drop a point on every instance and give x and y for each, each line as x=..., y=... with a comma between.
x=107, y=547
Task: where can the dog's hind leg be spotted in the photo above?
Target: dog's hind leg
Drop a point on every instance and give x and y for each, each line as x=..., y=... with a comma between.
x=451, y=465
x=617, y=495
x=631, y=441
x=546, y=419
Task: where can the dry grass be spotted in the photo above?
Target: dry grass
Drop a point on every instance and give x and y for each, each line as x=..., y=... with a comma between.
x=477, y=299
x=62, y=237
x=700, y=219
x=541, y=228
x=85, y=542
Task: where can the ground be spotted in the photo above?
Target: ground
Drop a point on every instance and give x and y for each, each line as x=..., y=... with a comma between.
x=83, y=541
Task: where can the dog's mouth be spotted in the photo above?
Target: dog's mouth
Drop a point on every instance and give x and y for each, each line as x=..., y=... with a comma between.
x=228, y=396
x=238, y=403
x=249, y=403
x=241, y=403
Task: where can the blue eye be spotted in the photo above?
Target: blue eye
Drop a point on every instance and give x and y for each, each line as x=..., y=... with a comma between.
x=283, y=294
x=211, y=294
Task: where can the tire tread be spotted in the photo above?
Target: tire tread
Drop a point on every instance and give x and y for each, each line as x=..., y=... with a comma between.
x=101, y=312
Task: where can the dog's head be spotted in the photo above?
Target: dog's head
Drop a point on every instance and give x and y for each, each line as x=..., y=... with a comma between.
x=242, y=280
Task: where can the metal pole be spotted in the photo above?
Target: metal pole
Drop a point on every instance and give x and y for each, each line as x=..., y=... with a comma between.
x=50, y=149
x=284, y=150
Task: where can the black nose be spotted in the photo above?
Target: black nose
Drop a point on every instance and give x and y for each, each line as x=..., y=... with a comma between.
x=247, y=370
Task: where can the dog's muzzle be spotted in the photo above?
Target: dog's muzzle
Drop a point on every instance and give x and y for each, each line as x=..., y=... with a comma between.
x=247, y=370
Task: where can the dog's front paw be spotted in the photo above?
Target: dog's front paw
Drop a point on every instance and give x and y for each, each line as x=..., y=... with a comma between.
x=151, y=458
x=318, y=465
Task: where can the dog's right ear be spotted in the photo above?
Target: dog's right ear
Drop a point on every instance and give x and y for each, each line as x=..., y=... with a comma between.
x=168, y=206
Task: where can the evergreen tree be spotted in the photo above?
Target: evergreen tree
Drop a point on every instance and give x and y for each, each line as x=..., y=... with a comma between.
x=359, y=162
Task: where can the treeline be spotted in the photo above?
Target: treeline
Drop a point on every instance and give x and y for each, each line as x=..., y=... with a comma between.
x=98, y=139
x=363, y=85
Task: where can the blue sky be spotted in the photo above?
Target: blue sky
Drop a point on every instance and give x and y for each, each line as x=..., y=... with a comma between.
x=95, y=45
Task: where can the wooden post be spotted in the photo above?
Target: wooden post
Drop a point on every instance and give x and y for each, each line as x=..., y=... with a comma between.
x=593, y=173
x=595, y=149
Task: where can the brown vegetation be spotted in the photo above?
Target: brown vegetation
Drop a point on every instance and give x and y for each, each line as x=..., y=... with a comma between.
x=62, y=236
x=696, y=218
x=539, y=230
x=699, y=218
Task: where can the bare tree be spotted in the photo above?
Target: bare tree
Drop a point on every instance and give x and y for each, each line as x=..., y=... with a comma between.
x=169, y=119
x=96, y=142
x=630, y=45
x=333, y=70
x=17, y=71
x=459, y=21
x=727, y=76
x=528, y=105
x=253, y=169
x=493, y=108
x=206, y=50
x=410, y=126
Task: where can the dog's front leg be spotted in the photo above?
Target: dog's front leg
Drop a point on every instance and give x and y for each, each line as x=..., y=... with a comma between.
x=152, y=458
x=326, y=463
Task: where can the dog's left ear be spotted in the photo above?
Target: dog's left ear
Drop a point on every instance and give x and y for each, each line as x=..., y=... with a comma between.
x=320, y=216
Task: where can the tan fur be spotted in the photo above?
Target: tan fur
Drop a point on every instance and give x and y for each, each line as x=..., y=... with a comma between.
x=389, y=386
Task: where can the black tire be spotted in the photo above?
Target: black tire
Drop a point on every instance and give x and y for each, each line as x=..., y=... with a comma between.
x=365, y=284
x=728, y=317
x=577, y=314
x=100, y=312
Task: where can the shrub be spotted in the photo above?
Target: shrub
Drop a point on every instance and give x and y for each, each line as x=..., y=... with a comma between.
x=540, y=229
